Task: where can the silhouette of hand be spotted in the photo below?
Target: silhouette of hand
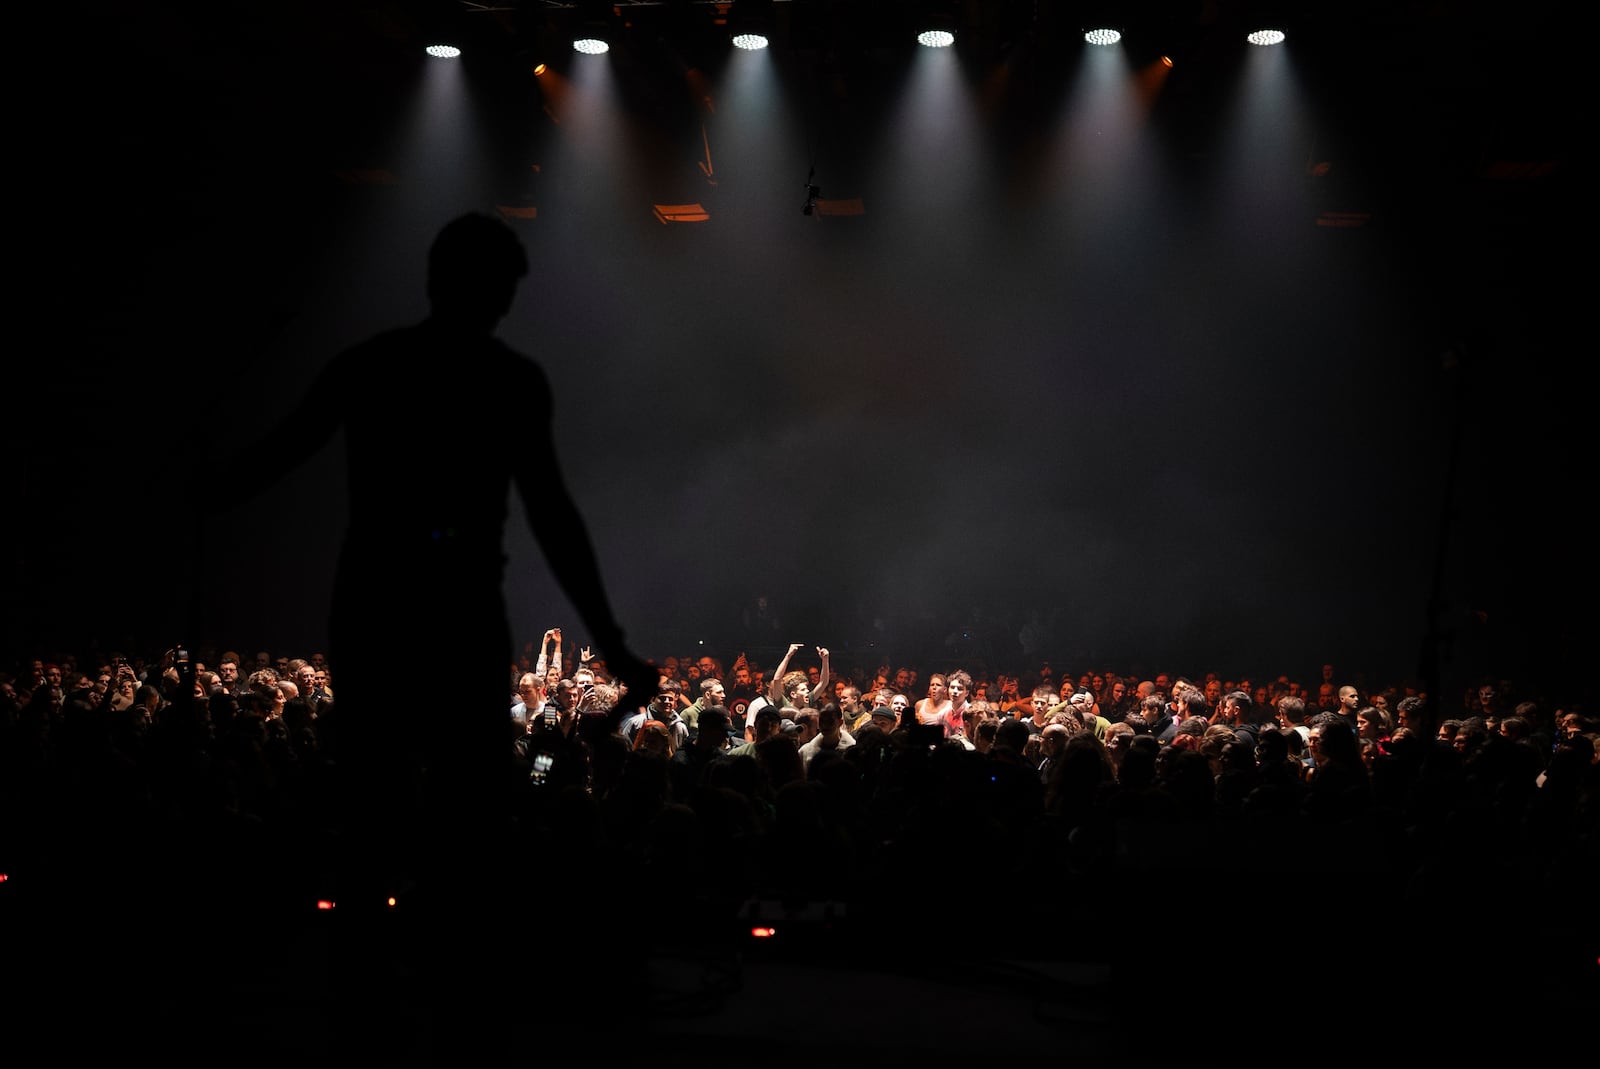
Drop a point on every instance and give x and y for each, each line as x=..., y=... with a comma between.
x=637, y=679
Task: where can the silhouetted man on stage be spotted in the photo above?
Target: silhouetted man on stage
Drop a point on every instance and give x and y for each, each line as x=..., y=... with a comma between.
x=426, y=786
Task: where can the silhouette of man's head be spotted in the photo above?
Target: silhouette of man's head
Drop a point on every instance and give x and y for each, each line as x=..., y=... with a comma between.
x=473, y=270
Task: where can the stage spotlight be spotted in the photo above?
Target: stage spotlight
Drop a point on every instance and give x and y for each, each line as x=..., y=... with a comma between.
x=1265, y=38
x=936, y=24
x=750, y=24
x=1102, y=36
x=443, y=51
x=593, y=34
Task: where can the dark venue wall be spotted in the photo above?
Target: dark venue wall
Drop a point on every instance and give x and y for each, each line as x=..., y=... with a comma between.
x=1215, y=365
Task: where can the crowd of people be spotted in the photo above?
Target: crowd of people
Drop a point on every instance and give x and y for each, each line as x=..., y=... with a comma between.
x=927, y=796
x=749, y=756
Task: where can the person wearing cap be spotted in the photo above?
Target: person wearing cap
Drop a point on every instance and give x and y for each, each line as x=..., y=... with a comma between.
x=884, y=717
x=768, y=723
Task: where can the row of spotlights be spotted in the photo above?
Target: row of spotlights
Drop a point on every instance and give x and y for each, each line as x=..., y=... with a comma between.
x=593, y=46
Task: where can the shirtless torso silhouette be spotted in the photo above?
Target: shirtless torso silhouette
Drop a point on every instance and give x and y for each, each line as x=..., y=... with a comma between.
x=430, y=465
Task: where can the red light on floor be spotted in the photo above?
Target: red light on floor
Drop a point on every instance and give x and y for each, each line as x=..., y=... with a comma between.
x=763, y=933
x=324, y=903
x=4, y=876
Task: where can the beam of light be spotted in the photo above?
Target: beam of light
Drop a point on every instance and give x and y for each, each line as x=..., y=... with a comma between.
x=1100, y=170
x=1264, y=137
x=934, y=158
x=1151, y=79
x=586, y=164
x=754, y=149
x=437, y=143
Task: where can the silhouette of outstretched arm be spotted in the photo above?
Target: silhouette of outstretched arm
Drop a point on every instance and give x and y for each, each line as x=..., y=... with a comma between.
x=563, y=537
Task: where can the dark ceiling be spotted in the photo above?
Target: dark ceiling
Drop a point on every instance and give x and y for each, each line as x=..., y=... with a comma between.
x=1424, y=98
